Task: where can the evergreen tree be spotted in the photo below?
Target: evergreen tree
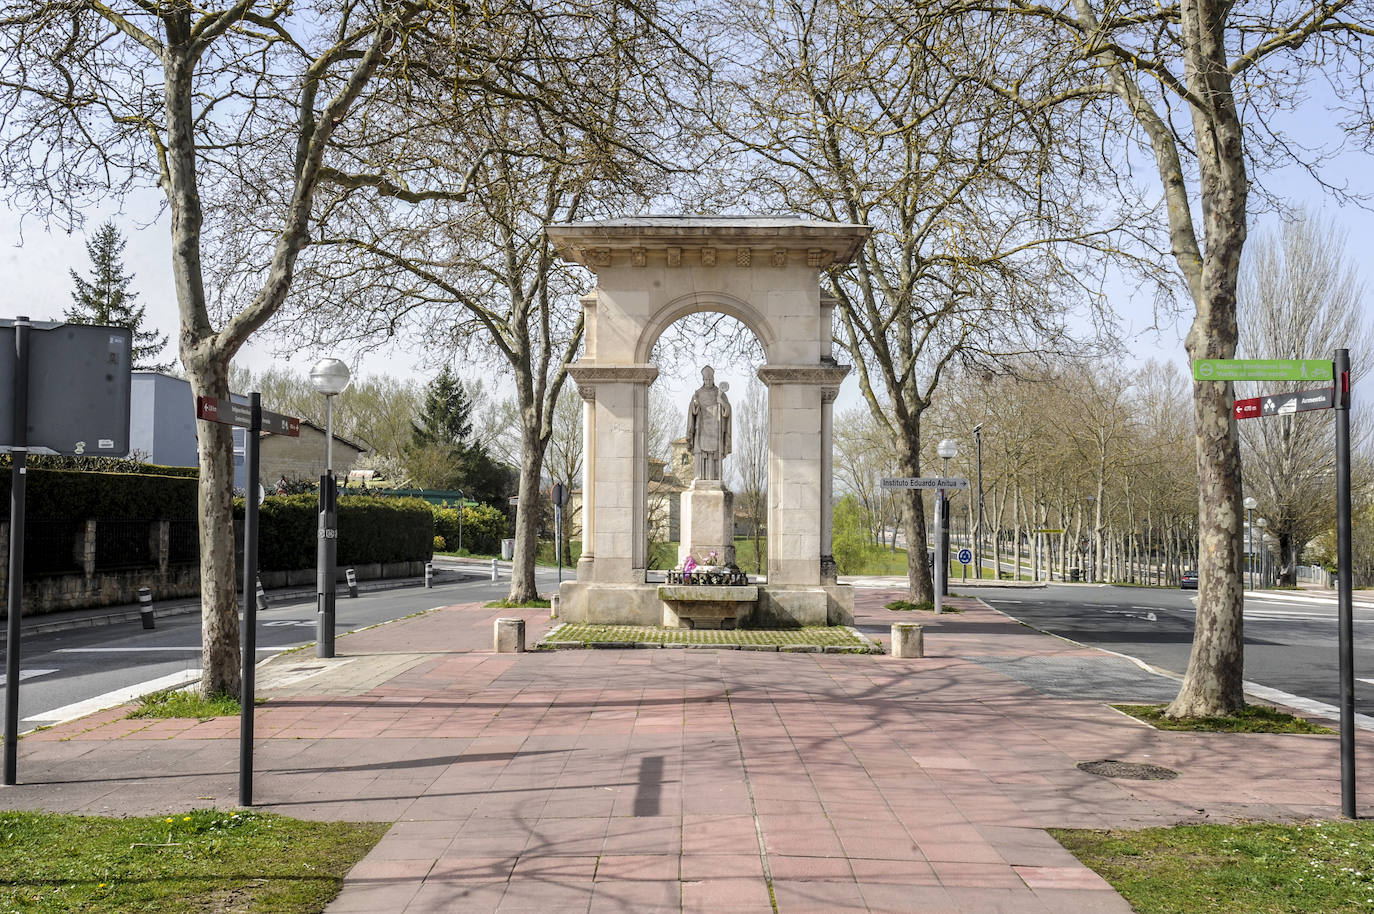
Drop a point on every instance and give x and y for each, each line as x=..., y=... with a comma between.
x=105, y=298
x=444, y=416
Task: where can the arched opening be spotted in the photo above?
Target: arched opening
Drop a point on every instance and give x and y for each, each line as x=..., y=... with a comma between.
x=697, y=337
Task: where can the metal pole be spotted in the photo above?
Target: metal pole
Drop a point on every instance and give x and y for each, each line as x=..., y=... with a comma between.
x=325, y=551
x=249, y=629
x=558, y=538
x=1344, y=583
x=978, y=535
x=460, y=520
x=940, y=559
x=19, y=454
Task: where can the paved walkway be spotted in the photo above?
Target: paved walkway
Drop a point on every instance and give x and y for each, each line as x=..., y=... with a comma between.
x=688, y=780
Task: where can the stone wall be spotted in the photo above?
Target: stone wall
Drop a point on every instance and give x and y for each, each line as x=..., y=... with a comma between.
x=89, y=586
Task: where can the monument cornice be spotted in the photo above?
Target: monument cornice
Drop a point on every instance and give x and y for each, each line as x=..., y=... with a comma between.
x=711, y=240
x=822, y=375
x=592, y=373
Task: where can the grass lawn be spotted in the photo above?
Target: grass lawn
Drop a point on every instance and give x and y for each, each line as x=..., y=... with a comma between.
x=201, y=861
x=177, y=703
x=830, y=635
x=1315, y=868
x=926, y=606
x=1253, y=719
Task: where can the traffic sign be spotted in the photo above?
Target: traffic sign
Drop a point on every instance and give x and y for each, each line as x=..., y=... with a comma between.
x=1263, y=370
x=965, y=556
x=924, y=482
x=212, y=409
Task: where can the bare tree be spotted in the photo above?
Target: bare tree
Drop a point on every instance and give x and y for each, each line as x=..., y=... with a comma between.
x=456, y=255
x=1200, y=85
x=565, y=455
x=217, y=104
x=851, y=114
x=750, y=462
x=1299, y=298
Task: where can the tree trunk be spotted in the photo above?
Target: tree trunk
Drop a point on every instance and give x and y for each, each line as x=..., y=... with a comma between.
x=219, y=617
x=523, y=587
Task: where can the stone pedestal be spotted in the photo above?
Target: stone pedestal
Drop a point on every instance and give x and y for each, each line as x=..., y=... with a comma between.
x=708, y=523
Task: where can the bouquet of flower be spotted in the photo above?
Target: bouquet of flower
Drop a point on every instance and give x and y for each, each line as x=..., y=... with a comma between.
x=689, y=566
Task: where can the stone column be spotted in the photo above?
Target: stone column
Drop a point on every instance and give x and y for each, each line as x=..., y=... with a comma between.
x=829, y=571
x=616, y=470
x=798, y=470
x=587, y=560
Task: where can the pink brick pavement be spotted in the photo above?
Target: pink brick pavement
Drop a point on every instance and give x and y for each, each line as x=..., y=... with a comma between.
x=669, y=780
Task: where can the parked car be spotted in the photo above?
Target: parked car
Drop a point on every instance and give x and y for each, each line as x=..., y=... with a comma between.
x=1188, y=581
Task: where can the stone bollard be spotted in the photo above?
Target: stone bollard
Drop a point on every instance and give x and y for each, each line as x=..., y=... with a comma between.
x=429, y=574
x=553, y=606
x=262, y=597
x=352, y=577
x=907, y=640
x=510, y=636
x=493, y=569
x=145, y=606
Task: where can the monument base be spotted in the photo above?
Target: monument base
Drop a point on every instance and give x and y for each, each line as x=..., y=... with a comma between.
x=708, y=523
x=763, y=606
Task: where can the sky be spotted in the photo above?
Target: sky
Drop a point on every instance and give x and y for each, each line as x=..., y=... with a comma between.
x=34, y=265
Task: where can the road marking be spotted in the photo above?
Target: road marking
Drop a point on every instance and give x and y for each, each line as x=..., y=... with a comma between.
x=27, y=674
x=114, y=698
x=1308, y=705
x=139, y=650
x=1369, y=681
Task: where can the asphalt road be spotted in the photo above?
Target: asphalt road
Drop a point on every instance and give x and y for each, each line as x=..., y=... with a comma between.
x=69, y=673
x=1290, y=640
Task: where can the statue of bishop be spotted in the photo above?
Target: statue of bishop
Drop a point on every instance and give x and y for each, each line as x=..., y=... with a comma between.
x=708, y=426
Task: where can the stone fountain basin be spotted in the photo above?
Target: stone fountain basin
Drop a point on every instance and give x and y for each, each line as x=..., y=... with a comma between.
x=706, y=606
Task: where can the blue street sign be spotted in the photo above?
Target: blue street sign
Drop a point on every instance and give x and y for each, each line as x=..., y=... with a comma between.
x=965, y=556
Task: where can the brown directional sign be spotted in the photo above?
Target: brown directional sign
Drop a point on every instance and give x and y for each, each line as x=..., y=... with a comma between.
x=213, y=409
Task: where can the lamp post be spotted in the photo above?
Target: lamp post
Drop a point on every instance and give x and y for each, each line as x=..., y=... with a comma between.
x=946, y=449
x=978, y=524
x=1250, y=505
x=329, y=377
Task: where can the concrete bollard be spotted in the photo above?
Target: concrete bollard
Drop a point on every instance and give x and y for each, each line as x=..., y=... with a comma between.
x=262, y=597
x=429, y=574
x=553, y=606
x=510, y=636
x=493, y=569
x=145, y=606
x=907, y=640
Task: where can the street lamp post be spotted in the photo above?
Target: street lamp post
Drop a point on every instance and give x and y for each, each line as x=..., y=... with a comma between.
x=1092, y=541
x=946, y=449
x=978, y=524
x=1250, y=505
x=330, y=377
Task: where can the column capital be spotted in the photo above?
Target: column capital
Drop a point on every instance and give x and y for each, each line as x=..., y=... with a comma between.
x=826, y=375
x=828, y=394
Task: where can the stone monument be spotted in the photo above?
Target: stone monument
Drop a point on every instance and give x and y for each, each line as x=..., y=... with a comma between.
x=708, y=508
x=651, y=271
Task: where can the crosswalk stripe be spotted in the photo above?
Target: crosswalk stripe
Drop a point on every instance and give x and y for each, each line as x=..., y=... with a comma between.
x=26, y=674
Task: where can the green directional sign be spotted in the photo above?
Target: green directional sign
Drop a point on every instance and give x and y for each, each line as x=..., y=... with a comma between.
x=1263, y=370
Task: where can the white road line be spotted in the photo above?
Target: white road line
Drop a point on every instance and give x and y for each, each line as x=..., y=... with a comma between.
x=1369, y=681
x=1307, y=705
x=115, y=698
x=138, y=650
x=26, y=674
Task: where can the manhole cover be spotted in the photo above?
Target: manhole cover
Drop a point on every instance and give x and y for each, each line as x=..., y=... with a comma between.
x=1134, y=771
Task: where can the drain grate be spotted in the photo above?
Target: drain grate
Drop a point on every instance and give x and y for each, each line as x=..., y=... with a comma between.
x=1133, y=771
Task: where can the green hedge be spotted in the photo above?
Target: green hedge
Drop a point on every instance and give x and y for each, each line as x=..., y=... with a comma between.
x=483, y=527
x=371, y=529
x=73, y=495
x=100, y=465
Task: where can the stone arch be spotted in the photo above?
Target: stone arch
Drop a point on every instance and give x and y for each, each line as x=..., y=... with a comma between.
x=765, y=273
x=700, y=301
